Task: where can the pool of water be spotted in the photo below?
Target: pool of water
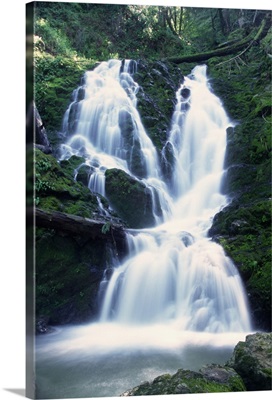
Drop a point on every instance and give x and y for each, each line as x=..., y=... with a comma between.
x=105, y=360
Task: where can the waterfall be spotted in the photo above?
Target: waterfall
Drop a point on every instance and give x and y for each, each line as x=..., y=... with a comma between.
x=173, y=273
x=176, y=300
x=103, y=125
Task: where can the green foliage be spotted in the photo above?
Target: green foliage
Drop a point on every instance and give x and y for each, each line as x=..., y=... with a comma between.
x=106, y=227
x=42, y=185
x=102, y=31
x=56, y=188
x=55, y=80
x=51, y=39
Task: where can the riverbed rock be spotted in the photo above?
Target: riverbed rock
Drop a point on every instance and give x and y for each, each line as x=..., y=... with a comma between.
x=252, y=360
x=210, y=379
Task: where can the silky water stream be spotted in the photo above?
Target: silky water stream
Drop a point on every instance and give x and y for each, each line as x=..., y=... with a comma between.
x=177, y=300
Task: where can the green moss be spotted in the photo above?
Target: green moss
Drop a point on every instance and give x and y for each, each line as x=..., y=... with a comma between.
x=236, y=384
x=55, y=79
x=68, y=273
x=185, y=381
x=156, y=101
x=72, y=163
x=56, y=188
x=267, y=372
x=245, y=234
x=129, y=198
x=244, y=227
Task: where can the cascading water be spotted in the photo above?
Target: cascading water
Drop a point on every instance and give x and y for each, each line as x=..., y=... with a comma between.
x=177, y=273
x=177, y=301
x=103, y=125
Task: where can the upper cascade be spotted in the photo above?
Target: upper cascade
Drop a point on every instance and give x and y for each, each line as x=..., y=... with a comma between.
x=103, y=125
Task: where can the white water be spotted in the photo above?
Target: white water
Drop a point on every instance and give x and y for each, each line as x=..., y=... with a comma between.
x=175, y=273
x=177, y=301
x=110, y=100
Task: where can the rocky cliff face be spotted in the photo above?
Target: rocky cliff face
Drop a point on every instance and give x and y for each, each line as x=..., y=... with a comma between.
x=243, y=228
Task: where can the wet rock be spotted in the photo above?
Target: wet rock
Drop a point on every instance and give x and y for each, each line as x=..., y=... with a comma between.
x=80, y=94
x=157, y=97
x=253, y=362
x=83, y=174
x=41, y=138
x=168, y=161
x=185, y=92
x=131, y=199
x=186, y=238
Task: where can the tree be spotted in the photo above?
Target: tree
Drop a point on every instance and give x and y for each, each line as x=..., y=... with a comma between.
x=229, y=48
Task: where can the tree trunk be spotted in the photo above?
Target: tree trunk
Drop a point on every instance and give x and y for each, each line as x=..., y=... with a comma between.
x=231, y=49
x=82, y=227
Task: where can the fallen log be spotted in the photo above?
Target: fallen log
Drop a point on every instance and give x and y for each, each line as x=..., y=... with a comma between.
x=80, y=226
x=241, y=45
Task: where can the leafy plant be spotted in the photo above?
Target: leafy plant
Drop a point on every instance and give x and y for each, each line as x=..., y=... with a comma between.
x=106, y=228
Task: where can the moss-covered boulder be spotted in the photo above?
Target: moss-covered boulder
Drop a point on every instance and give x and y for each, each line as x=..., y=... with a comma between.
x=130, y=198
x=56, y=189
x=158, y=82
x=211, y=379
x=252, y=360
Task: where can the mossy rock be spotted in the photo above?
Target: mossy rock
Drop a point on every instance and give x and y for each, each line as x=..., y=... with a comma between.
x=245, y=234
x=56, y=188
x=211, y=379
x=243, y=228
x=158, y=82
x=253, y=362
x=68, y=274
x=130, y=198
x=55, y=80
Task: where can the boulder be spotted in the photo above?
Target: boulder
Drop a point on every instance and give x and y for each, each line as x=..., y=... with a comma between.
x=130, y=198
x=156, y=99
x=253, y=362
x=185, y=92
x=35, y=124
